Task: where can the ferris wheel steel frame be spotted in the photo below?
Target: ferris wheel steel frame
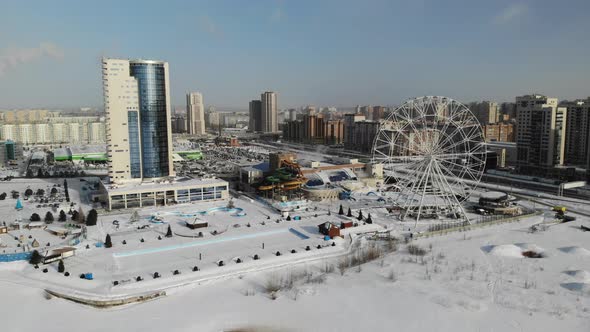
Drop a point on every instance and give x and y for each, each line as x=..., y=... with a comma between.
x=433, y=153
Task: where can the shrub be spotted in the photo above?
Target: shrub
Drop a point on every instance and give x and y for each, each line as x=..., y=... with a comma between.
x=342, y=266
x=35, y=217
x=532, y=254
x=273, y=284
x=36, y=258
x=328, y=268
x=92, y=218
x=48, y=217
x=107, y=242
x=416, y=250
x=61, y=267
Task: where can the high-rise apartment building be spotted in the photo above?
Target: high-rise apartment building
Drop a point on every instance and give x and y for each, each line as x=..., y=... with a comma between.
x=333, y=131
x=314, y=129
x=292, y=114
x=255, y=116
x=212, y=119
x=486, y=112
x=350, y=128
x=540, y=134
x=27, y=116
x=310, y=110
x=10, y=151
x=269, y=115
x=179, y=124
x=378, y=113
x=577, y=140
x=137, y=104
x=367, y=111
x=508, y=109
x=499, y=132
x=195, y=113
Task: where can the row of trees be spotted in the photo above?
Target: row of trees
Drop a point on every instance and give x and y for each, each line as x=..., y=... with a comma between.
x=359, y=217
x=78, y=216
x=39, y=192
x=43, y=173
x=108, y=242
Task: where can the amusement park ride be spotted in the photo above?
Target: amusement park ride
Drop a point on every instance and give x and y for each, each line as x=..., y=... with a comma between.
x=286, y=180
x=433, y=154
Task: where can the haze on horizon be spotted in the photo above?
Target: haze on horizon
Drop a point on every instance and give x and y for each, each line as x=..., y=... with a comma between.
x=310, y=52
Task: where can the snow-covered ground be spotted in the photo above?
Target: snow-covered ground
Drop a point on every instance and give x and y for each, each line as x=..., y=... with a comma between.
x=468, y=281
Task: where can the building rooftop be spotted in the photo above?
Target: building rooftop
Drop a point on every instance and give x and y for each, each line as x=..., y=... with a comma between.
x=494, y=195
x=88, y=149
x=160, y=185
x=263, y=167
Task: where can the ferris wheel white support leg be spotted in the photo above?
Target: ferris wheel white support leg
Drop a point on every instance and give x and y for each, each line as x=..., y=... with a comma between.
x=426, y=174
x=456, y=201
x=415, y=187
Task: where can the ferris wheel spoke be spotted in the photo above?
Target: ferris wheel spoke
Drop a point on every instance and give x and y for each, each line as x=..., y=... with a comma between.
x=416, y=108
x=421, y=172
x=461, y=141
x=462, y=168
x=406, y=137
x=454, y=178
x=453, y=200
x=392, y=148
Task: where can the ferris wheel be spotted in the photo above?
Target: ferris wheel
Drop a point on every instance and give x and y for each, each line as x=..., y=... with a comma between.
x=433, y=154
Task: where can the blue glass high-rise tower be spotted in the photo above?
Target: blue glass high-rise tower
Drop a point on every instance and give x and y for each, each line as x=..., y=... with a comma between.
x=137, y=103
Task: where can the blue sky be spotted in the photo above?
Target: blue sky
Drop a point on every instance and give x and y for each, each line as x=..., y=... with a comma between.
x=311, y=52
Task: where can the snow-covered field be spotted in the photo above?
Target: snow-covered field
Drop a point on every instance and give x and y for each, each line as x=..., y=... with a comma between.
x=468, y=281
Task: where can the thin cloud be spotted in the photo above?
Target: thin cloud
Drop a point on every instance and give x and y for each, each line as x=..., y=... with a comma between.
x=511, y=13
x=208, y=26
x=13, y=57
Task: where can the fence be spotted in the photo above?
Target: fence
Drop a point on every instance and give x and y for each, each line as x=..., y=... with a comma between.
x=441, y=229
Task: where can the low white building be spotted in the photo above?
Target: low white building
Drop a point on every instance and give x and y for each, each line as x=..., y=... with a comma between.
x=162, y=193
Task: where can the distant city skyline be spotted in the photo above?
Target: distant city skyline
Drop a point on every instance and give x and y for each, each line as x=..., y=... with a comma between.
x=325, y=53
